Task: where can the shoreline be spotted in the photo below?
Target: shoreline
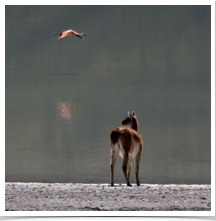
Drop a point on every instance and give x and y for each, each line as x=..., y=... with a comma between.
x=103, y=197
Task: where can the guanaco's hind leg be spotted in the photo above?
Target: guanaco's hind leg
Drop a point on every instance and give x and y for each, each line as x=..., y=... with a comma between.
x=128, y=168
x=137, y=160
x=124, y=168
x=113, y=159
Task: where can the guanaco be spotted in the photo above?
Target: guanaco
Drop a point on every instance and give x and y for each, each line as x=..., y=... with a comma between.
x=126, y=142
x=69, y=32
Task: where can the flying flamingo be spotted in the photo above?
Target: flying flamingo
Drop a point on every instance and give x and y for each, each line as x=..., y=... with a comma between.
x=70, y=32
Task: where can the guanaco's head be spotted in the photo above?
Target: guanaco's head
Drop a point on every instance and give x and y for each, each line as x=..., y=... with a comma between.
x=131, y=120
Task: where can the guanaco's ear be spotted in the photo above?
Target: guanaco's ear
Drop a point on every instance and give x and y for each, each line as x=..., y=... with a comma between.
x=133, y=113
x=129, y=115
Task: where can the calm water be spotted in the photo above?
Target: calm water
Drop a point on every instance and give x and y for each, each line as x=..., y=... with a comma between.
x=63, y=98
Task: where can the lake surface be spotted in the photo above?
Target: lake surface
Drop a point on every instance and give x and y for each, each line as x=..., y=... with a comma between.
x=63, y=98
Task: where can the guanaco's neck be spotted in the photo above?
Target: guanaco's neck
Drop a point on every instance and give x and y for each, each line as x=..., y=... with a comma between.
x=134, y=124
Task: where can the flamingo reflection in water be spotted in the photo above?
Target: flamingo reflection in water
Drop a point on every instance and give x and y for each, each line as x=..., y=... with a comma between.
x=65, y=111
x=70, y=110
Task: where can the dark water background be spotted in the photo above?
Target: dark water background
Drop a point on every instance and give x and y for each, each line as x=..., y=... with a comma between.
x=63, y=98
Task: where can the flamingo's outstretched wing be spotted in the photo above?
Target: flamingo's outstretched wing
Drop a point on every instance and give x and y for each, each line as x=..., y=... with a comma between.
x=70, y=32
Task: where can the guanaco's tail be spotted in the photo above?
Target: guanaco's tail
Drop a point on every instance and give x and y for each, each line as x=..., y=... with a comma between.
x=114, y=136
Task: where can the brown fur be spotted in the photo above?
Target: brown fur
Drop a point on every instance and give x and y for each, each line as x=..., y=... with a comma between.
x=126, y=142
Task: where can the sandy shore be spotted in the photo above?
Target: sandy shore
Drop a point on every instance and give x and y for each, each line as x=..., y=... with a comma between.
x=103, y=197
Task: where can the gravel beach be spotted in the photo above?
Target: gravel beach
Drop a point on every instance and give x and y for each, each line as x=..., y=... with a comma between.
x=103, y=197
